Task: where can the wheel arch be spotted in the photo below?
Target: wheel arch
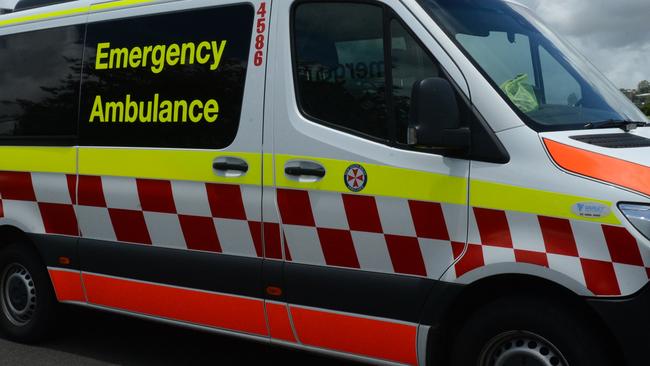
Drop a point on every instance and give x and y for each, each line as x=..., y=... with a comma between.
x=484, y=290
x=11, y=234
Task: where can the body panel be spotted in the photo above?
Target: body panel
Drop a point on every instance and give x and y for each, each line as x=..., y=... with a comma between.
x=310, y=262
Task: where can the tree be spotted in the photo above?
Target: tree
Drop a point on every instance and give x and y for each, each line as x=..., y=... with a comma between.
x=646, y=109
x=644, y=87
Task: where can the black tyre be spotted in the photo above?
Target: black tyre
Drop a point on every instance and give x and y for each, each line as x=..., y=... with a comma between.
x=27, y=302
x=520, y=331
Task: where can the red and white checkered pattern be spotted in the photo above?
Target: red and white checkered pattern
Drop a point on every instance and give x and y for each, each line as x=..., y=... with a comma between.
x=415, y=238
x=208, y=217
x=605, y=259
x=370, y=233
x=380, y=234
x=185, y=215
x=39, y=203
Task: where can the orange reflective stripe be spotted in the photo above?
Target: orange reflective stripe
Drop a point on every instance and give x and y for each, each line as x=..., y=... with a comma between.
x=279, y=323
x=602, y=167
x=67, y=285
x=197, y=307
x=362, y=336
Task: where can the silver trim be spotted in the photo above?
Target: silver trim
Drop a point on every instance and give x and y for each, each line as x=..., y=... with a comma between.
x=423, y=341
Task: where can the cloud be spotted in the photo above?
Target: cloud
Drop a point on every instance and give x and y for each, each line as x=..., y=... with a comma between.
x=7, y=4
x=614, y=35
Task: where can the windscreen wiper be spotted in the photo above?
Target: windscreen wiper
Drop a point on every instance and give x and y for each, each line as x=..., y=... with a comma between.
x=626, y=126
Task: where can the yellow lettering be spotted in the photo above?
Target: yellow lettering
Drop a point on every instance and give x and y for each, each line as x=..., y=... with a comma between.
x=114, y=112
x=145, y=54
x=154, y=109
x=211, y=111
x=131, y=113
x=185, y=49
x=144, y=118
x=166, y=110
x=101, y=55
x=217, y=52
x=135, y=57
x=158, y=59
x=196, y=117
x=173, y=52
x=200, y=57
x=97, y=111
x=178, y=105
x=119, y=57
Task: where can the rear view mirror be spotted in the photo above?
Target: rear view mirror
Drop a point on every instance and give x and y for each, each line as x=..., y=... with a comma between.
x=434, y=119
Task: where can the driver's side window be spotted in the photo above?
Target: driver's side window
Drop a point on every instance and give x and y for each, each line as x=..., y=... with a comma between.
x=355, y=66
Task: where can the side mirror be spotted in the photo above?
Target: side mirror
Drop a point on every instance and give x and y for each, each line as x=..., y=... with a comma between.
x=434, y=119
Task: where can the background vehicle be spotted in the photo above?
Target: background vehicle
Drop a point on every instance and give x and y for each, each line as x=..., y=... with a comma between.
x=394, y=181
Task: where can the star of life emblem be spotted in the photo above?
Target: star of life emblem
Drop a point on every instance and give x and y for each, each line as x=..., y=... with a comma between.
x=356, y=178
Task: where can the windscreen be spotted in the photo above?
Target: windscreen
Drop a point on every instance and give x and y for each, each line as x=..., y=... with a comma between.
x=544, y=77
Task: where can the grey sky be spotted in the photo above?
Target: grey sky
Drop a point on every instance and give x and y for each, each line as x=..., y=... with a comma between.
x=614, y=35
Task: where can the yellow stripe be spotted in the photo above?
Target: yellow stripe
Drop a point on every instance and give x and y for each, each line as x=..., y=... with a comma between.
x=510, y=198
x=44, y=16
x=269, y=179
x=38, y=159
x=118, y=4
x=196, y=165
x=192, y=165
x=74, y=11
x=382, y=181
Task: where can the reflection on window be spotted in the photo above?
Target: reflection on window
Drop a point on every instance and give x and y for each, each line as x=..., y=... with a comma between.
x=342, y=67
x=39, y=75
x=540, y=74
x=559, y=86
x=411, y=63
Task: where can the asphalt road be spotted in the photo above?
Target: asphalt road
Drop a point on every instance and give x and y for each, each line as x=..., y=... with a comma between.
x=92, y=338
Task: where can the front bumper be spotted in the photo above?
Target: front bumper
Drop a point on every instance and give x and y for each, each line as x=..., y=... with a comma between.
x=628, y=319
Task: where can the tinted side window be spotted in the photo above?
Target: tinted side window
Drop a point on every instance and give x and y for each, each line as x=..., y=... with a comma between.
x=355, y=73
x=410, y=64
x=339, y=49
x=147, y=83
x=39, y=83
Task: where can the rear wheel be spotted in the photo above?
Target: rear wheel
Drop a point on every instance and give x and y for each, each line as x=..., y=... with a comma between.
x=525, y=331
x=27, y=301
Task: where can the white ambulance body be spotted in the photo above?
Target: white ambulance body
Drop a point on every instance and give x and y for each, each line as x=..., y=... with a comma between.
x=440, y=182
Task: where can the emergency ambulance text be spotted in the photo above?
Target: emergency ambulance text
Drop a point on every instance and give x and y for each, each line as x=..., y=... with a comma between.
x=156, y=111
x=157, y=57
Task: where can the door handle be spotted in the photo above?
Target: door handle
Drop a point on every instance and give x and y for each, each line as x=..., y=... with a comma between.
x=312, y=172
x=230, y=167
x=238, y=166
x=304, y=171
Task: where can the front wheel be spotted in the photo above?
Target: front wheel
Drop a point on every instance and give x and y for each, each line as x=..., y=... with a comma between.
x=525, y=331
x=27, y=301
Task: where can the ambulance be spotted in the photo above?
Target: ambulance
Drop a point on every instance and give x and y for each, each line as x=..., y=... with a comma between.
x=398, y=182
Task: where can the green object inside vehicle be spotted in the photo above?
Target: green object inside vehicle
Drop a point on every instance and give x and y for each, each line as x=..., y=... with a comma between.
x=521, y=93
